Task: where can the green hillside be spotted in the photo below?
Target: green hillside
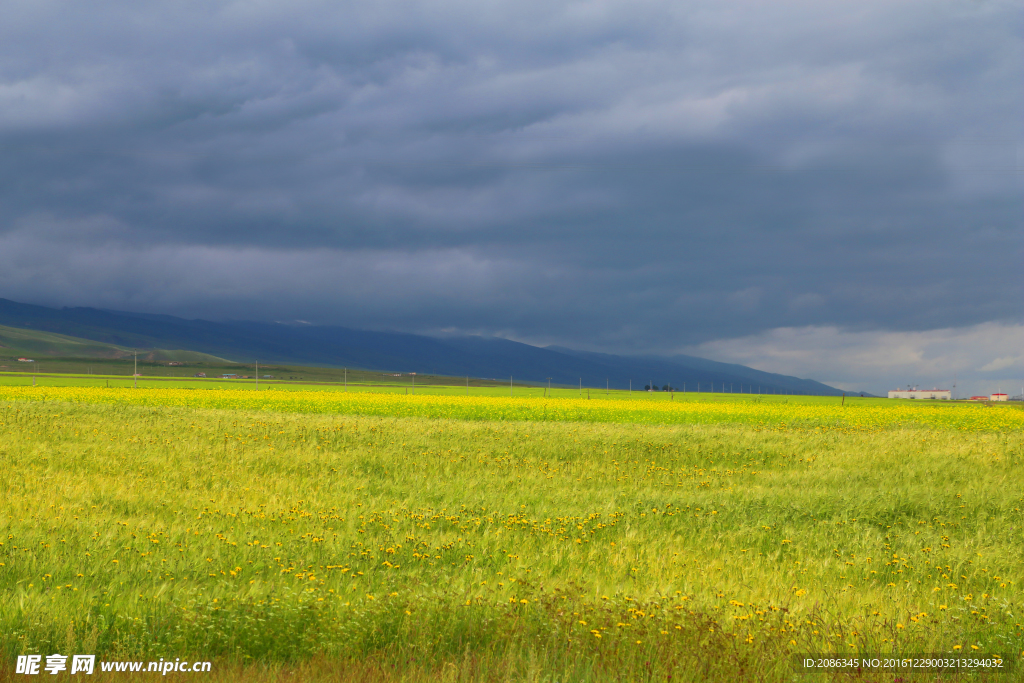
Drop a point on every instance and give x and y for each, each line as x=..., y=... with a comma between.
x=16, y=342
x=341, y=347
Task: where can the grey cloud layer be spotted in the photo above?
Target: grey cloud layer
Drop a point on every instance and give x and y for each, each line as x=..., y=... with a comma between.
x=625, y=176
x=979, y=360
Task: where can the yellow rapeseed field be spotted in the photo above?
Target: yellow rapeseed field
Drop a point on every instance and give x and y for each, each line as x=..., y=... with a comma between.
x=688, y=410
x=504, y=539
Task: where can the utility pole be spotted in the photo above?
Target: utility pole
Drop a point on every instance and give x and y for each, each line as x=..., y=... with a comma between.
x=257, y=375
x=606, y=387
x=581, y=387
x=467, y=385
x=510, y=385
x=135, y=376
x=346, y=379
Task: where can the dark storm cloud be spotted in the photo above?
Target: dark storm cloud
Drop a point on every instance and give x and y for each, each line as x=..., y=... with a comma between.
x=624, y=176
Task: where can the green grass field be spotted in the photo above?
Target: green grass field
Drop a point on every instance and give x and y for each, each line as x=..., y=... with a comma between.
x=119, y=372
x=316, y=535
x=64, y=351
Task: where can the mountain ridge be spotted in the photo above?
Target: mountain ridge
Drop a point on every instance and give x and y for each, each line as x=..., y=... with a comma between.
x=335, y=346
x=21, y=342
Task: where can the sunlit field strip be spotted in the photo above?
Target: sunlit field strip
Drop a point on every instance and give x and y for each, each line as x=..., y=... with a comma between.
x=423, y=385
x=640, y=411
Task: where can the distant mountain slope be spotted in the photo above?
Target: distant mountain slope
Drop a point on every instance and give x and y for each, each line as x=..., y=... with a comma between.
x=707, y=372
x=36, y=344
x=344, y=347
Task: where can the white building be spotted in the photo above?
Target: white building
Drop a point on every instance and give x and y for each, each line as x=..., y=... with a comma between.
x=997, y=397
x=940, y=394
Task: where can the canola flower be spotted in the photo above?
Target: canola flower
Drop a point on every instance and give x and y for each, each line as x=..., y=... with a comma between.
x=746, y=412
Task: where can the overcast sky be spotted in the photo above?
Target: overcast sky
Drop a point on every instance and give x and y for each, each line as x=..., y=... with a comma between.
x=831, y=189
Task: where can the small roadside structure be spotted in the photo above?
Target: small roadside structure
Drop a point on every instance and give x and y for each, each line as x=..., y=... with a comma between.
x=931, y=394
x=199, y=374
